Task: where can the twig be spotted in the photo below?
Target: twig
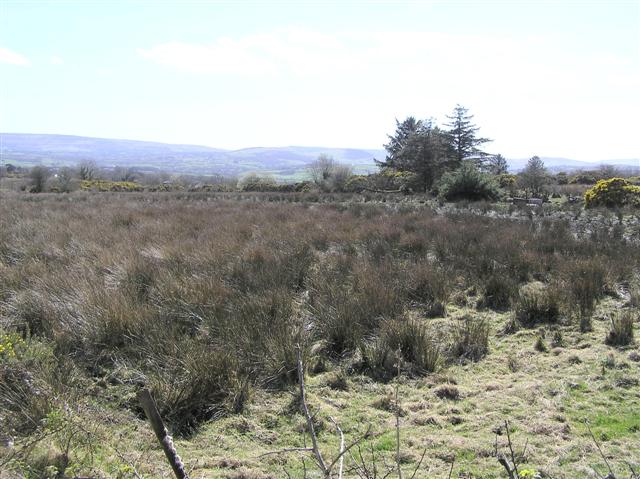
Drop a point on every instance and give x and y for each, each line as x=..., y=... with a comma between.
x=312, y=432
x=599, y=450
x=419, y=464
x=513, y=455
x=134, y=470
x=288, y=449
x=397, y=411
x=342, y=451
x=348, y=448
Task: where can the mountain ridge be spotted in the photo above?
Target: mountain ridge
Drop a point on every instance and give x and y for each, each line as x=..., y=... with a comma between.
x=27, y=149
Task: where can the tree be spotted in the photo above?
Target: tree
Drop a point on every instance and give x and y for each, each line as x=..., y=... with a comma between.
x=321, y=168
x=405, y=130
x=496, y=165
x=123, y=174
x=607, y=171
x=328, y=174
x=462, y=136
x=427, y=154
x=534, y=176
x=64, y=177
x=88, y=170
x=418, y=147
x=38, y=176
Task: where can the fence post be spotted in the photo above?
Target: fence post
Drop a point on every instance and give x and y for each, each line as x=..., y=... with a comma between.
x=150, y=409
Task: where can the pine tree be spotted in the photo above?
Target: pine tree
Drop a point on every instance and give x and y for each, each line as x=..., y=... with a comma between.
x=420, y=147
x=534, y=177
x=496, y=165
x=398, y=141
x=462, y=137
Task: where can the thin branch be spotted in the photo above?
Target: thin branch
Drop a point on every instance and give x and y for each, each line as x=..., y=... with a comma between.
x=348, y=448
x=598, y=446
x=288, y=449
x=312, y=432
x=342, y=451
x=419, y=464
x=513, y=454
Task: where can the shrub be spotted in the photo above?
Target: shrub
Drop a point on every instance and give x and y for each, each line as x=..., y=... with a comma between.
x=558, y=339
x=585, y=282
x=395, y=180
x=448, y=391
x=498, y=291
x=201, y=383
x=254, y=182
x=584, y=178
x=537, y=304
x=39, y=176
x=634, y=294
x=470, y=339
x=467, y=183
x=104, y=185
x=614, y=192
x=540, y=345
x=430, y=287
x=507, y=181
x=621, y=332
x=412, y=341
x=29, y=378
x=348, y=309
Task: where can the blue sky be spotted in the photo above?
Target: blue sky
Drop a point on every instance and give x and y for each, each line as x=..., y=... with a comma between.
x=553, y=78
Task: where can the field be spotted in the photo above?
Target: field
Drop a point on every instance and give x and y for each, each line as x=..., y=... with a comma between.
x=451, y=320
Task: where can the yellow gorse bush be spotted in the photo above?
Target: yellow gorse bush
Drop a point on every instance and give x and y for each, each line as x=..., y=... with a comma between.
x=103, y=185
x=10, y=345
x=611, y=193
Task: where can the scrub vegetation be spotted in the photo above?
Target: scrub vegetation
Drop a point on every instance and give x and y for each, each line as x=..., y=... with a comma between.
x=434, y=321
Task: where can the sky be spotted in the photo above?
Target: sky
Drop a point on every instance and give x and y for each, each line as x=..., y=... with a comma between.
x=549, y=78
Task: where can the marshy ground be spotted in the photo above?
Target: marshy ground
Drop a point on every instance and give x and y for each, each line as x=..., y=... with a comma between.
x=496, y=314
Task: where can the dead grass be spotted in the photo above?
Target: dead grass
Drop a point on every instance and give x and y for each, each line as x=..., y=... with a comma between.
x=204, y=298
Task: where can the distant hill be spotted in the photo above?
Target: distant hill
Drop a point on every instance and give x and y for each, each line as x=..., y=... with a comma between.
x=287, y=162
x=65, y=150
x=566, y=164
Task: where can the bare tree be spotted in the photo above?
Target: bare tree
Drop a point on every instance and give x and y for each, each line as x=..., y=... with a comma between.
x=88, y=170
x=123, y=174
x=321, y=169
x=64, y=178
x=328, y=174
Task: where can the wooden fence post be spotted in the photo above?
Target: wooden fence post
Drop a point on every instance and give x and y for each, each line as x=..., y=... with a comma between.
x=150, y=409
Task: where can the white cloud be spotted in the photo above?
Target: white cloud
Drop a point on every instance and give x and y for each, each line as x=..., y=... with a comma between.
x=308, y=53
x=532, y=94
x=13, y=58
x=55, y=60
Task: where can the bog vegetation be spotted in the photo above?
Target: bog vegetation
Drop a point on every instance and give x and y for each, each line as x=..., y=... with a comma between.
x=438, y=323
x=205, y=298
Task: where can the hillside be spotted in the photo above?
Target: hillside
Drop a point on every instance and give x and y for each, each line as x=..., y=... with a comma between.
x=57, y=150
x=284, y=162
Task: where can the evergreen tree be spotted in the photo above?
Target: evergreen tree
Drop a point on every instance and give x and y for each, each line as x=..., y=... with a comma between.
x=419, y=147
x=398, y=141
x=534, y=177
x=462, y=136
x=496, y=165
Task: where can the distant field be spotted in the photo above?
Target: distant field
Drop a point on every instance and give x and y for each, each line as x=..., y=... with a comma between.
x=491, y=313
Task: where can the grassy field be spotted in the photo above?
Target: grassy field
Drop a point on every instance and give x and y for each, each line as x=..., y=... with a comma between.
x=492, y=314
